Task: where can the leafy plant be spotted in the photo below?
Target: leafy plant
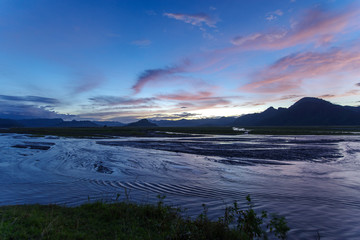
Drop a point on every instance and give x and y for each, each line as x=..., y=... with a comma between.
x=251, y=225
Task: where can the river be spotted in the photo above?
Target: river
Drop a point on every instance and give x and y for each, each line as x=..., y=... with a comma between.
x=314, y=181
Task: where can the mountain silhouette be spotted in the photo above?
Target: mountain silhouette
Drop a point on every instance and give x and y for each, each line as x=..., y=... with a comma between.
x=75, y=123
x=8, y=123
x=142, y=123
x=305, y=112
x=40, y=122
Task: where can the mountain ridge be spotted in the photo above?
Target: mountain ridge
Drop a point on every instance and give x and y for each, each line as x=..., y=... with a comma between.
x=305, y=112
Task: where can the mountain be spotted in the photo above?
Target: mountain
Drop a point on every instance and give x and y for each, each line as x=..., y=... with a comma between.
x=44, y=122
x=40, y=122
x=305, y=112
x=7, y=123
x=75, y=123
x=109, y=123
x=142, y=123
x=206, y=122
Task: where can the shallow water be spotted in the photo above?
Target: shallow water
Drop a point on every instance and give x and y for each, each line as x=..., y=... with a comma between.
x=312, y=180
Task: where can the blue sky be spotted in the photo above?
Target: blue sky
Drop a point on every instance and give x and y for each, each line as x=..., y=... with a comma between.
x=123, y=60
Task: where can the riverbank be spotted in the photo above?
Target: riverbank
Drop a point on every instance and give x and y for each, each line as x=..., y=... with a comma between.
x=109, y=132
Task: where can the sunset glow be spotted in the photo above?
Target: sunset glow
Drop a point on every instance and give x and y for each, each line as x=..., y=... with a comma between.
x=126, y=60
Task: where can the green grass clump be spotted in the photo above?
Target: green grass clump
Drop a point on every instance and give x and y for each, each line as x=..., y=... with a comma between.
x=124, y=220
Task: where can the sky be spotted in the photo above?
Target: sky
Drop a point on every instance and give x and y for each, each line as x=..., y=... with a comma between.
x=122, y=60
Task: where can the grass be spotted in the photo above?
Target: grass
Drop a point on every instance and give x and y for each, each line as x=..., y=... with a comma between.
x=105, y=132
x=125, y=220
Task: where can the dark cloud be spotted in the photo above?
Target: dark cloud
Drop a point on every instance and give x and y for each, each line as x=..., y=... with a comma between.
x=155, y=75
x=358, y=84
x=33, y=99
x=19, y=111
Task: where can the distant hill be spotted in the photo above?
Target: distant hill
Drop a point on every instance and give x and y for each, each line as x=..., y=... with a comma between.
x=109, y=123
x=75, y=123
x=8, y=123
x=44, y=122
x=305, y=112
x=40, y=122
x=142, y=123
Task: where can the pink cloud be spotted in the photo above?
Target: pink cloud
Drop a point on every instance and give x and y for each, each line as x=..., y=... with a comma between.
x=196, y=101
x=185, y=96
x=316, y=25
x=193, y=19
x=289, y=72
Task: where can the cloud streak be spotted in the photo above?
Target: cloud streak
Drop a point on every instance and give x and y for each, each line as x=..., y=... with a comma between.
x=114, y=101
x=288, y=72
x=33, y=99
x=185, y=96
x=270, y=16
x=141, y=43
x=315, y=26
x=198, y=20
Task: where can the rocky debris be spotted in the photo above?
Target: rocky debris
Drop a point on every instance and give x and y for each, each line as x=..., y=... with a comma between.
x=102, y=169
x=35, y=145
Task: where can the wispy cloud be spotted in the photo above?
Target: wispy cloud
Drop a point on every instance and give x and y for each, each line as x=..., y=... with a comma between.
x=316, y=26
x=113, y=101
x=142, y=42
x=33, y=99
x=156, y=75
x=177, y=116
x=199, y=19
x=288, y=72
x=186, y=96
x=86, y=82
x=270, y=16
x=206, y=103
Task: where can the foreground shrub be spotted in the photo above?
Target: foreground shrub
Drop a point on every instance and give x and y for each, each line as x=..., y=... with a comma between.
x=126, y=220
